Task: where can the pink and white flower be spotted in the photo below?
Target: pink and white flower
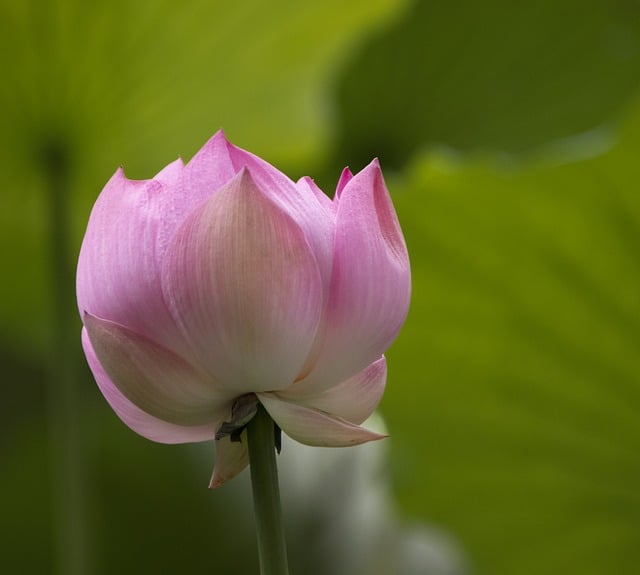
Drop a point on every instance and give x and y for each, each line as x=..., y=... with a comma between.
x=222, y=278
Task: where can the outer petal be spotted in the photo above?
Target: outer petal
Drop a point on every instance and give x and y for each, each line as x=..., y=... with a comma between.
x=118, y=273
x=354, y=399
x=312, y=214
x=370, y=284
x=135, y=418
x=245, y=287
x=314, y=427
x=155, y=379
x=231, y=458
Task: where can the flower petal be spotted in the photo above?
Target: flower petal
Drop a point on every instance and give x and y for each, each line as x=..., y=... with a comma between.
x=345, y=177
x=306, y=185
x=209, y=170
x=354, y=399
x=244, y=285
x=118, y=274
x=153, y=378
x=135, y=418
x=314, y=427
x=313, y=215
x=370, y=283
x=231, y=458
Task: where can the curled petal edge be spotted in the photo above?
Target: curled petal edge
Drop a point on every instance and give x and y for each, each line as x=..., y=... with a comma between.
x=314, y=427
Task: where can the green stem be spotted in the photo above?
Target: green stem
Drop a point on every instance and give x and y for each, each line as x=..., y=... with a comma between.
x=266, y=495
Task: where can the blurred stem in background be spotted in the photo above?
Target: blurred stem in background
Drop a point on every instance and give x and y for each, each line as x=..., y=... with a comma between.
x=65, y=411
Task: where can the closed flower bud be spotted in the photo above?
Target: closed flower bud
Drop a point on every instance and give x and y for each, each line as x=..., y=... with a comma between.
x=222, y=279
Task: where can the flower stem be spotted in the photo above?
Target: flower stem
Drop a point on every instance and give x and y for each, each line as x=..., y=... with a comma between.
x=266, y=495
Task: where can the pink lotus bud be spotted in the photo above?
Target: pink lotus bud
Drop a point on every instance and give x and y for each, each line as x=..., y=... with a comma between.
x=222, y=279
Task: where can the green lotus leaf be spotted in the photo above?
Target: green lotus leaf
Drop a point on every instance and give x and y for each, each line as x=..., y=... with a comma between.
x=494, y=75
x=514, y=389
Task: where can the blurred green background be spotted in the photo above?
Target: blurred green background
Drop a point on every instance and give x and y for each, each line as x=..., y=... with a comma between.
x=509, y=134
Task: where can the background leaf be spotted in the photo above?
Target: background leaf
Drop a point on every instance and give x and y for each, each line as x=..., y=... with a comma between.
x=515, y=387
x=495, y=74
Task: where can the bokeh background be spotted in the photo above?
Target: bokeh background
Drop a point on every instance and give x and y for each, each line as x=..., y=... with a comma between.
x=509, y=133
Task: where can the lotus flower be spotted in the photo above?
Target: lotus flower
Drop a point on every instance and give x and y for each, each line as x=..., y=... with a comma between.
x=222, y=282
